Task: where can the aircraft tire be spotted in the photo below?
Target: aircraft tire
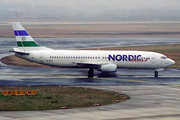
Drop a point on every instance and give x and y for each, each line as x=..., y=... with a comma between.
x=91, y=72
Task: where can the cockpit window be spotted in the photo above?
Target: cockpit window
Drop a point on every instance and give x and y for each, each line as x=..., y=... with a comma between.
x=163, y=57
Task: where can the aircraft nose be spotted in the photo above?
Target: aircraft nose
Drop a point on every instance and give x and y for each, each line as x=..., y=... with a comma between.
x=171, y=62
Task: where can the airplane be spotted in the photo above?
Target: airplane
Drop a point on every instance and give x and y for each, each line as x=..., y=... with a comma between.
x=101, y=60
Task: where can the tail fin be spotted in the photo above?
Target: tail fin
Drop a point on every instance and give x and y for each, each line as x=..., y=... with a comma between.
x=24, y=41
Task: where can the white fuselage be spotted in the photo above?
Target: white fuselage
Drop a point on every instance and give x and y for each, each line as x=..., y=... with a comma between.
x=123, y=59
x=104, y=61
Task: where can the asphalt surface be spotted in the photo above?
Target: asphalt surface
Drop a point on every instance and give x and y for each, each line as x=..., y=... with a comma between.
x=29, y=76
x=84, y=43
x=148, y=102
x=151, y=98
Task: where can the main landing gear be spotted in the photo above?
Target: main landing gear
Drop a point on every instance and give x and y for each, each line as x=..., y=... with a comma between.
x=155, y=73
x=91, y=72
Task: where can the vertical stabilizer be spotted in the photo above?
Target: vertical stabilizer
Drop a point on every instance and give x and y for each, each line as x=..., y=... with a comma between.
x=24, y=41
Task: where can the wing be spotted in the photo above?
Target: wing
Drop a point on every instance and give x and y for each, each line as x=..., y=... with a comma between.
x=91, y=64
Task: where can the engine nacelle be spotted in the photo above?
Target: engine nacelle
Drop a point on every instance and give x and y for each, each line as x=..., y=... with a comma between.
x=108, y=68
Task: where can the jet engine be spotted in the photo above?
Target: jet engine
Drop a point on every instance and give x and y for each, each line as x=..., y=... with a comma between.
x=108, y=68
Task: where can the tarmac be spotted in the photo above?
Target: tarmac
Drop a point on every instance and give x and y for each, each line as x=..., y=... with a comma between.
x=151, y=98
x=148, y=102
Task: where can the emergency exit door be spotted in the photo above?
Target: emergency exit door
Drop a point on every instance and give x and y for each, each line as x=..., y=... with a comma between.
x=41, y=58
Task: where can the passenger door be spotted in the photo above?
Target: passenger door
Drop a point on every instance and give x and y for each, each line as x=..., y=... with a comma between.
x=153, y=58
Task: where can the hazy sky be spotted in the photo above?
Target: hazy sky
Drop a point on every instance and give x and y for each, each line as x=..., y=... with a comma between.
x=91, y=9
x=109, y=3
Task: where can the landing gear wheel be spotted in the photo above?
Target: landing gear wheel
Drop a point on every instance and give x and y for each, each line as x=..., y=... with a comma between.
x=156, y=74
x=91, y=72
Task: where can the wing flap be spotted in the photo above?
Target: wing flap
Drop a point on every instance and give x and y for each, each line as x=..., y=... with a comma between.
x=90, y=64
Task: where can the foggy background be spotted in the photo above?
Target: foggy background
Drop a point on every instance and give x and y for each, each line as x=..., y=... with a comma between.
x=91, y=9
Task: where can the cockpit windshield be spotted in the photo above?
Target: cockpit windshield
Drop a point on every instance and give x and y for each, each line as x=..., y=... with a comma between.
x=163, y=57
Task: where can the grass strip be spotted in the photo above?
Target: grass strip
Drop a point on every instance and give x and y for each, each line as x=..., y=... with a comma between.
x=54, y=97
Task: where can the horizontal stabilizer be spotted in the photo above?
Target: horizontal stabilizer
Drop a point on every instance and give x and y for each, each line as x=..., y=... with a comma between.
x=16, y=50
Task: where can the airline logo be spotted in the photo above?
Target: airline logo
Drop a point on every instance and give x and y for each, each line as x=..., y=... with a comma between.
x=132, y=58
x=24, y=39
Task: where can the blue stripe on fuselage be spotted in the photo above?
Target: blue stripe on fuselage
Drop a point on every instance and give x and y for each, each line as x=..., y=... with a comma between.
x=20, y=33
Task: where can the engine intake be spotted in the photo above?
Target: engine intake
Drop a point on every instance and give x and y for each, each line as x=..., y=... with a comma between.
x=108, y=68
